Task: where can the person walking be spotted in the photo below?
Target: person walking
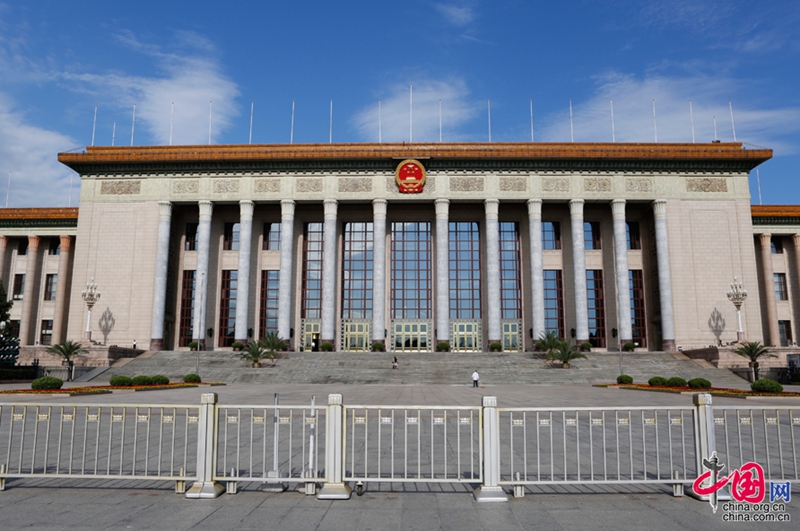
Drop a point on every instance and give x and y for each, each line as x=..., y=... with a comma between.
x=394, y=362
x=476, y=378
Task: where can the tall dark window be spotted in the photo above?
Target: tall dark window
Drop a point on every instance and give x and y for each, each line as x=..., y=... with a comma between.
x=191, y=237
x=411, y=270
x=551, y=235
x=187, y=309
x=46, y=333
x=638, y=321
x=634, y=235
x=15, y=328
x=55, y=247
x=591, y=235
x=230, y=239
x=50, y=287
x=595, y=303
x=312, y=271
x=553, y=302
x=776, y=245
x=465, y=271
x=270, y=281
x=272, y=236
x=19, y=287
x=785, y=332
x=781, y=291
x=227, y=307
x=357, y=271
x=22, y=246
x=510, y=281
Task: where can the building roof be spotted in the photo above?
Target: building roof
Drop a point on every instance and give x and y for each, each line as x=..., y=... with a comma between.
x=38, y=217
x=775, y=214
x=723, y=153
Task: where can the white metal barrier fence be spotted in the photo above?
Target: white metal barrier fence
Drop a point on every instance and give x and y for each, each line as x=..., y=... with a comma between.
x=332, y=445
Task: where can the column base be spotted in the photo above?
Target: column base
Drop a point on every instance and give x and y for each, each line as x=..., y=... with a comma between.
x=242, y=341
x=335, y=491
x=493, y=341
x=156, y=344
x=622, y=343
x=331, y=341
x=580, y=342
x=490, y=494
x=740, y=337
x=205, y=490
x=668, y=345
x=87, y=336
x=201, y=344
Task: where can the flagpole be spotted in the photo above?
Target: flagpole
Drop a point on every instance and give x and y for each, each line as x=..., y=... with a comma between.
x=114, y=133
x=94, y=124
x=571, y=129
x=252, y=105
x=8, y=188
x=209, y=122
x=733, y=125
x=380, y=139
x=133, y=123
x=691, y=116
x=171, y=115
x=411, y=113
x=489, y=108
x=330, y=132
x=531, y=119
x=291, y=130
x=440, y=120
x=613, y=132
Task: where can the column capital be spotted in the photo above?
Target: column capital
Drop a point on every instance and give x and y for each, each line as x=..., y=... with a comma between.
x=796, y=240
x=765, y=238
x=442, y=208
x=246, y=208
x=3, y=242
x=379, y=208
x=534, y=209
x=287, y=209
x=492, y=207
x=33, y=243
x=660, y=209
x=331, y=206
x=618, y=209
x=66, y=243
x=576, y=208
x=206, y=209
x=164, y=211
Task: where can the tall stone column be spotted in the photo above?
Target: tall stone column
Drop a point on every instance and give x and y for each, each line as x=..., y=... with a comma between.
x=329, y=272
x=243, y=287
x=28, y=297
x=493, y=270
x=285, y=281
x=61, y=289
x=664, y=276
x=379, y=270
x=160, y=288
x=579, y=271
x=442, y=270
x=621, y=269
x=3, y=247
x=201, y=278
x=769, y=290
x=537, y=266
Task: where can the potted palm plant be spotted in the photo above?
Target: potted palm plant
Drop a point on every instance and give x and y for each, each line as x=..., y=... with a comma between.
x=566, y=353
x=67, y=350
x=754, y=350
x=548, y=342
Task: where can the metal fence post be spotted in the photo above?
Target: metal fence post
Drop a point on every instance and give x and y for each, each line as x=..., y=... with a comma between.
x=704, y=441
x=334, y=487
x=490, y=490
x=205, y=486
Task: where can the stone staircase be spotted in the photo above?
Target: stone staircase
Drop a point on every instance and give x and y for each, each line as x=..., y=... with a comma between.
x=419, y=368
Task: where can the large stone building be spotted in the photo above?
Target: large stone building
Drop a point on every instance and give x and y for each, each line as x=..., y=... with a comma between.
x=407, y=244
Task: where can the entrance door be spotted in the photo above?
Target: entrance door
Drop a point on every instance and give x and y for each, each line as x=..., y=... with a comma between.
x=466, y=336
x=356, y=336
x=311, y=333
x=511, y=336
x=411, y=336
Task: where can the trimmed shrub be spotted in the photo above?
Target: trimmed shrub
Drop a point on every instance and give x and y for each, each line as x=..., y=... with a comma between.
x=160, y=379
x=378, y=347
x=624, y=379
x=495, y=347
x=142, y=380
x=192, y=378
x=765, y=385
x=699, y=383
x=326, y=347
x=237, y=345
x=121, y=381
x=676, y=381
x=657, y=380
x=47, y=382
x=193, y=345
x=586, y=346
x=630, y=346
x=443, y=347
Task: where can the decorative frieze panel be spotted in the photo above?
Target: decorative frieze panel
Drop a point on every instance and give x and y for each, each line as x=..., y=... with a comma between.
x=466, y=184
x=266, y=186
x=639, y=185
x=597, y=184
x=120, y=187
x=513, y=184
x=185, y=186
x=555, y=184
x=309, y=185
x=225, y=186
x=355, y=184
x=706, y=184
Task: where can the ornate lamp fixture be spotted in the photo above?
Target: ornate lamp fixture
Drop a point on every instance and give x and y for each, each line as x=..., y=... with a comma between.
x=90, y=296
x=737, y=295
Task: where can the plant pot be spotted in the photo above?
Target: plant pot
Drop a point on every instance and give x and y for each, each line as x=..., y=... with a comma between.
x=256, y=364
x=565, y=365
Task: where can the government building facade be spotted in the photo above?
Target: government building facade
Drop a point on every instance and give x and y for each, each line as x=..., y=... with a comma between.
x=410, y=245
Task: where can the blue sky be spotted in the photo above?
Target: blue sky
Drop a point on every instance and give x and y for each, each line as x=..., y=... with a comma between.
x=59, y=59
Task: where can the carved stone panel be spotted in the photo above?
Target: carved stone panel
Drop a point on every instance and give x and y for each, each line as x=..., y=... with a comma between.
x=355, y=184
x=639, y=185
x=309, y=185
x=466, y=184
x=597, y=184
x=185, y=186
x=555, y=184
x=120, y=187
x=706, y=184
x=263, y=186
x=513, y=184
x=225, y=186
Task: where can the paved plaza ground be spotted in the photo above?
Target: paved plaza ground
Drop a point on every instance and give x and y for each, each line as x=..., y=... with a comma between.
x=107, y=504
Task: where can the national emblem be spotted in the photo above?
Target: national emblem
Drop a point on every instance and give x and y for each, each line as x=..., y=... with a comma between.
x=410, y=176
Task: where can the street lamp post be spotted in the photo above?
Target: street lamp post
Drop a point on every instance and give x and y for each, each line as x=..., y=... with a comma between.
x=90, y=295
x=737, y=295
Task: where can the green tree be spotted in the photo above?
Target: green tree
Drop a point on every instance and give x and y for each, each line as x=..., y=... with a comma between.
x=5, y=304
x=754, y=350
x=548, y=342
x=565, y=353
x=67, y=349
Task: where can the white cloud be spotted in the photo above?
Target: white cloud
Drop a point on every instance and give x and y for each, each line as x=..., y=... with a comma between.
x=456, y=15
x=457, y=110
x=190, y=80
x=633, y=113
x=29, y=153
